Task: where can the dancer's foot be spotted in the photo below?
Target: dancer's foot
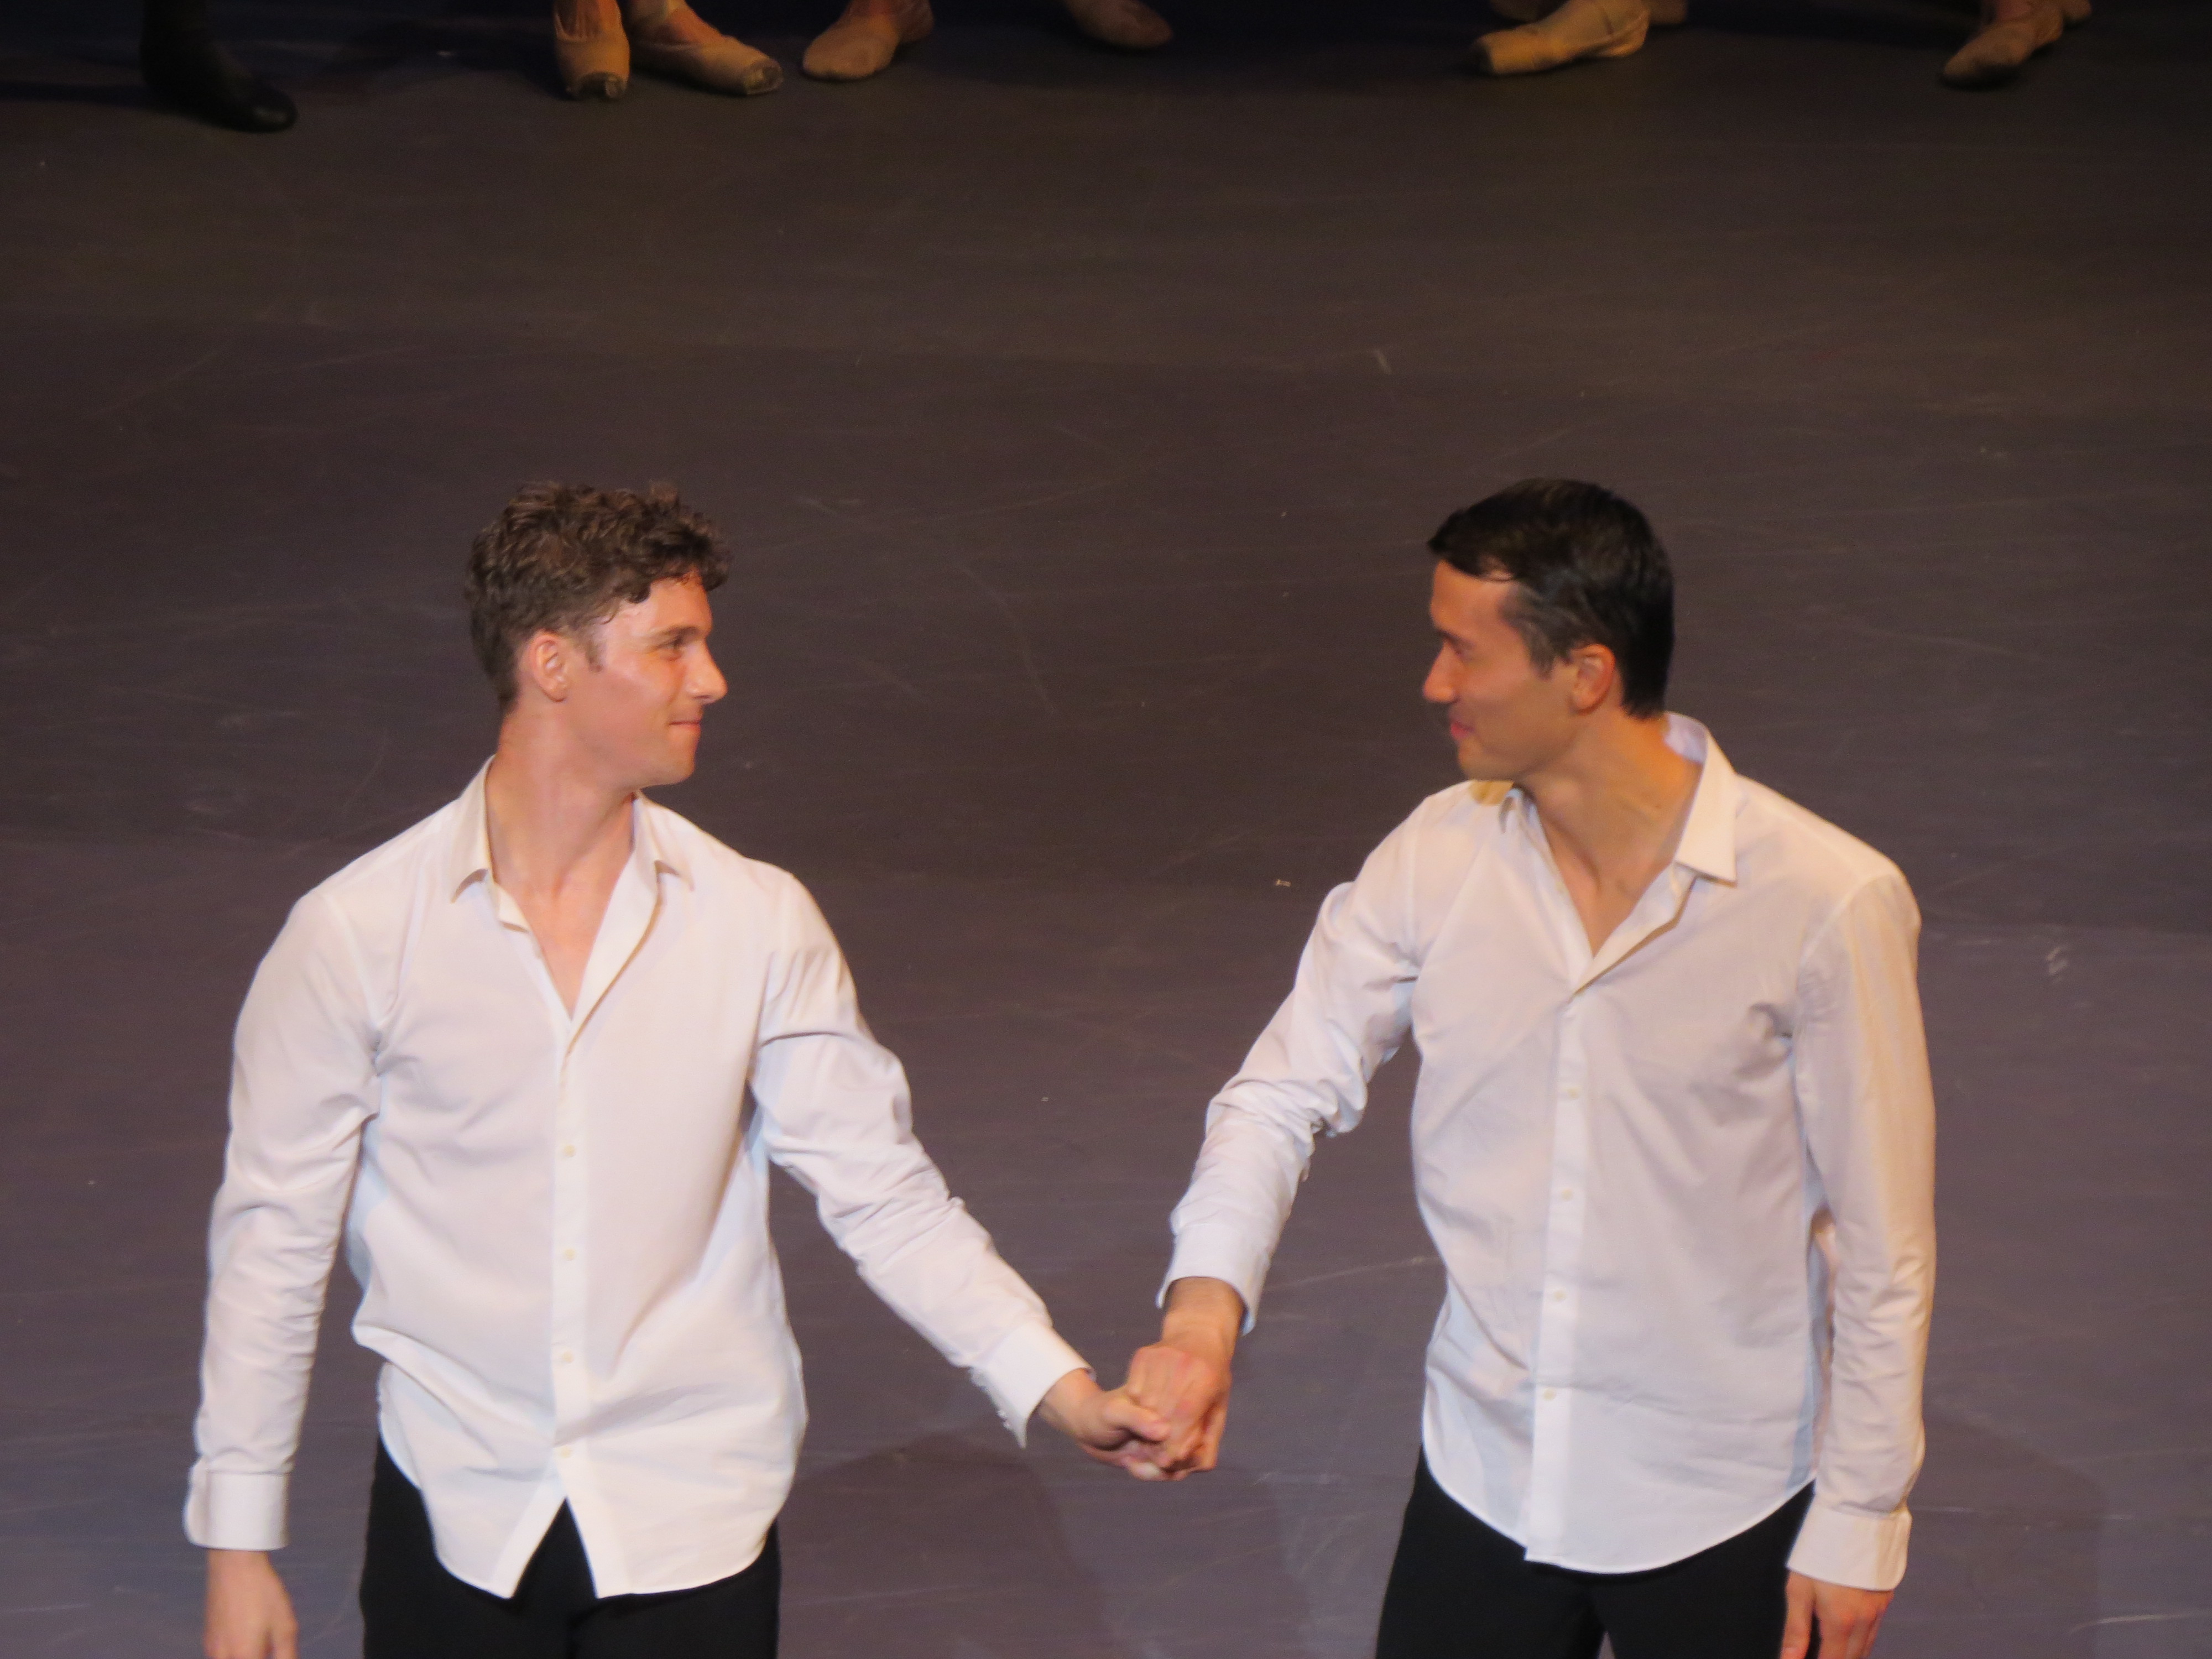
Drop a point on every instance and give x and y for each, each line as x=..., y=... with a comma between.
x=1665, y=13
x=669, y=37
x=591, y=49
x=1577, y=29
x=189, y=67
x=1129, y=24
x=863, y=41
x=2012, y=32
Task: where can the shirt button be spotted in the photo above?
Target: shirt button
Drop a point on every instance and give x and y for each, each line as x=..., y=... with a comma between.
x=567, y=1256
x=1549, y=1394
x=1559, y=1295
x=1574, y=1094
x=1566, y=1192
x=568, y=1359
x=564, y=1451
x=567, y=1151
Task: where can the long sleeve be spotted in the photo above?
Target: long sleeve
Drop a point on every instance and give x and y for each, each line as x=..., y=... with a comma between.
x=835, y=1114
x=1861, y=1071
x=1347, y=1014
x=301, y=1088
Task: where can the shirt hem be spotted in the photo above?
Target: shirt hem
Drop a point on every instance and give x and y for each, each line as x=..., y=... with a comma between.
x=1571, y=1565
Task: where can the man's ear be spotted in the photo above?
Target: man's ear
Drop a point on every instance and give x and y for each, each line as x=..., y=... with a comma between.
x=547, y=662
x=1594, y=675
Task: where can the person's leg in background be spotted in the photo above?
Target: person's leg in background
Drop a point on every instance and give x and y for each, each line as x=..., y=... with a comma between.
x=184, y=62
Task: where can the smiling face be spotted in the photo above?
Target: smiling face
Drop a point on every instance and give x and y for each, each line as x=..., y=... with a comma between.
x=631, y=696
x=1509, y=719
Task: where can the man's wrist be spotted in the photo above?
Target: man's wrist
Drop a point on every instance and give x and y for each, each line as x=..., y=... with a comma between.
x=1066, y=1397
x=1203, y=1315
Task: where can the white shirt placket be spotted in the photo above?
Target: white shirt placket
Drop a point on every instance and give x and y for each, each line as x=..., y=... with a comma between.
x=1567, y=1210
x=571, y=1391
x=1545, y=1520
x=569, y=1304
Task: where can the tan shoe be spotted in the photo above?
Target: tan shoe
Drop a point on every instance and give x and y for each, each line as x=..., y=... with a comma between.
x=1578, y=29
x=669, y=37
x=591, y=50
x=1665, y=13
x=865, y=39
x=1129, y=24
x=1994, y=53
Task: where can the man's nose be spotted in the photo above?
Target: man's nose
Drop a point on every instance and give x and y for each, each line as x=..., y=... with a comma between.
x=1438, y=687
x=707, y=681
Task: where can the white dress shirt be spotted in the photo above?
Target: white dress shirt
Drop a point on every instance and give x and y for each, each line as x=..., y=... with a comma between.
x=1682, y=1186
x=561, y=1221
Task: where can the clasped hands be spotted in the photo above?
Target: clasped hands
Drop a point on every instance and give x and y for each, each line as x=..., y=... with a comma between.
x=1166, y=1421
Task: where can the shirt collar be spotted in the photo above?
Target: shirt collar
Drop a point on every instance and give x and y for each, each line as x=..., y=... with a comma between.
x=650, y=849
x=1708, y=843
x=1707, y=846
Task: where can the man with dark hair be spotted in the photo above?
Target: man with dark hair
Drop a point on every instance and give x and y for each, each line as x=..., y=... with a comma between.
x=1672, y=1137
x=506, y=1057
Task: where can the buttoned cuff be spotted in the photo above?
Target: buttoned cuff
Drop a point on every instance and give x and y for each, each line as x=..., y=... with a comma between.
x=1021, y=1371
x=1206, y=1253
x=227, y=1511
x=1839, y=1546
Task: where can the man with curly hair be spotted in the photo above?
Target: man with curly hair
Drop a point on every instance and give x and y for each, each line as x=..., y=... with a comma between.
x=531, y=1061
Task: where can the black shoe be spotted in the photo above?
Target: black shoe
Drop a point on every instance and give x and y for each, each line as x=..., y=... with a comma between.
x=189, y=67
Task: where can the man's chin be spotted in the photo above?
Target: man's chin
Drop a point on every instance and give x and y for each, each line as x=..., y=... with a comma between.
x=1478, y=768
x=679, y=763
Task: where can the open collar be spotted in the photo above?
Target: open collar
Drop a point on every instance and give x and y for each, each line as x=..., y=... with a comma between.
x=651, y=850
x=1708, y=842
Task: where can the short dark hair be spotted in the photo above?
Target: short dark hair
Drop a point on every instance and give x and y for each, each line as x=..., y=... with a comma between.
x=1586, y=570
x=567, y=557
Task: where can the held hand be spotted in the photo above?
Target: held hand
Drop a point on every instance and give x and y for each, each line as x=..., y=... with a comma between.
x=249, y=1616
x=1847, y=1618
x=1110, y=1427
x=1185, y=1375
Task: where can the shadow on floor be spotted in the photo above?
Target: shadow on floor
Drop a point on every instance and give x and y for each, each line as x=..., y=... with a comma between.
x=961, y=1554
x=2005, y=1551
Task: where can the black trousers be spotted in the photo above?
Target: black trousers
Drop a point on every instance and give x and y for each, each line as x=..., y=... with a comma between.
x=412, y=1608
x=1460, y=1589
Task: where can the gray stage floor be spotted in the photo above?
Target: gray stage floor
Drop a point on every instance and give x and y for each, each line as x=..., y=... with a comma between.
x=1079, y=421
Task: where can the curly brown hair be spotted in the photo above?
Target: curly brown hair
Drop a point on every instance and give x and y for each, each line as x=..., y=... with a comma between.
x=567, y=557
